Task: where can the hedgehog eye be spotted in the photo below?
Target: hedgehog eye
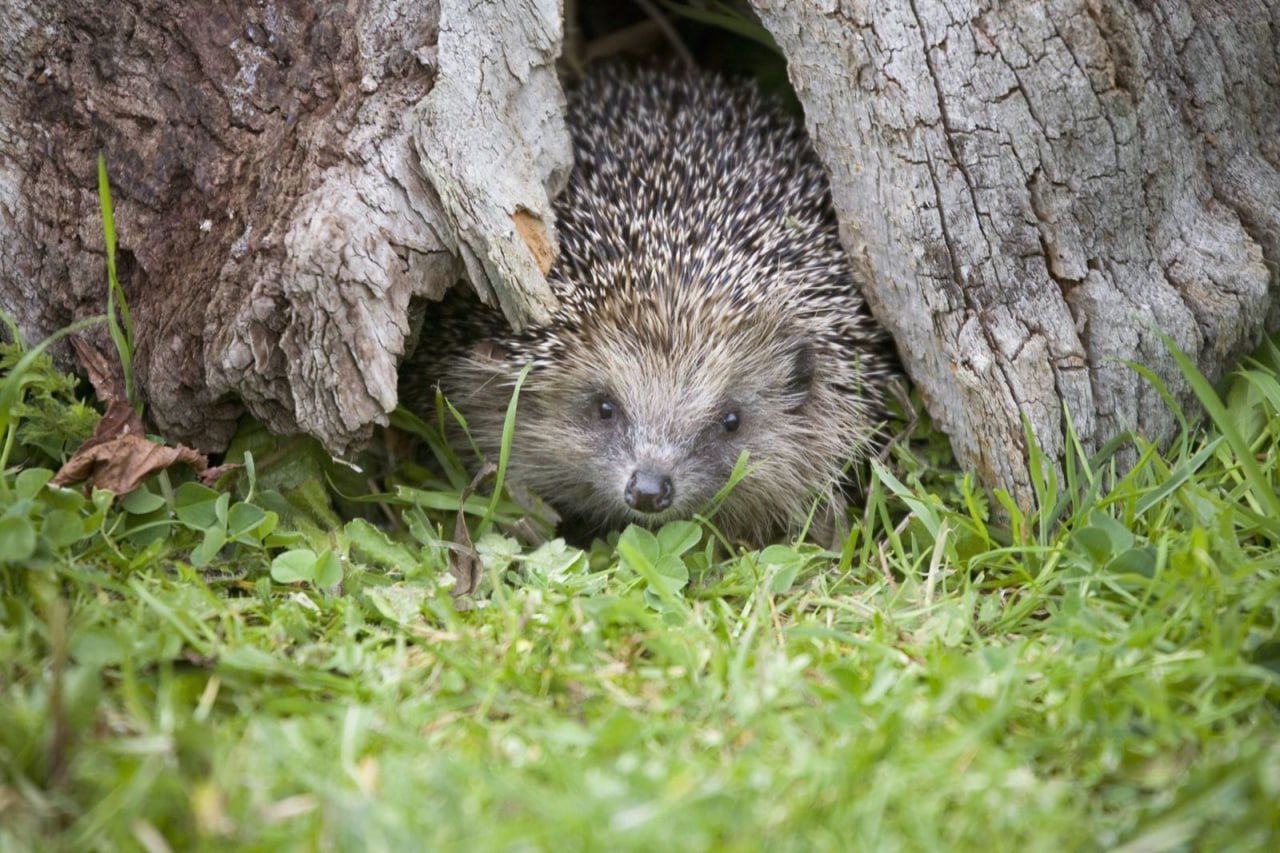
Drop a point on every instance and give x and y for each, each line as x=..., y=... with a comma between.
x=606, y=410
x=731, y=421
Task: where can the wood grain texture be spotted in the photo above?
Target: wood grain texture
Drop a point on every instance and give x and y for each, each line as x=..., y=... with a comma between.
x=274, y=216
x=1033, y=190
x=495, y=148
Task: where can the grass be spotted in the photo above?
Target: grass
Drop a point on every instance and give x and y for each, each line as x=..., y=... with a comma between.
x=280, y=662
x=183, y=669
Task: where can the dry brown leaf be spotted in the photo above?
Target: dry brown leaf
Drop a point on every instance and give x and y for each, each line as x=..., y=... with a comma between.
x=104, y=376
x=121, y=464
x=119, y=456
x=120, y=419
x=209, y=476
x=464, y=561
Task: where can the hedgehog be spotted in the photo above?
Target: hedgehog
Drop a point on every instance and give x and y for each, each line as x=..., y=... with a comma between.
x=707, y=314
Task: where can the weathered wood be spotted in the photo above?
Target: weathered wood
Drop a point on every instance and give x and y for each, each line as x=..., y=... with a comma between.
x=1033, y=190
x=273, y=214
x=1036, y=189
x=493, y=152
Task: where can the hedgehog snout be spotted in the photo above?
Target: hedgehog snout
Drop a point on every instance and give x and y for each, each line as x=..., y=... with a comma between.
x=649, y=491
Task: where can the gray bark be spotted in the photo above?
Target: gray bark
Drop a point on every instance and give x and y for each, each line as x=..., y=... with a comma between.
x=269, y=180
x=492, y=152
x=1034, y=189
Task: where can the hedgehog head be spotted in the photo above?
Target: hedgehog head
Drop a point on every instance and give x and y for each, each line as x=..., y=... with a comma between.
x=707, y=310
x=638, y=409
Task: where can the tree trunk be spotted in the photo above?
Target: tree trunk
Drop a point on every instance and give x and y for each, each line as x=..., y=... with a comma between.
x=1033, y=190
x=1036, y=189
x=268, y=166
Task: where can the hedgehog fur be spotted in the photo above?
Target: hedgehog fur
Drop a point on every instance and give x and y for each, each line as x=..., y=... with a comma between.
x=706, y=308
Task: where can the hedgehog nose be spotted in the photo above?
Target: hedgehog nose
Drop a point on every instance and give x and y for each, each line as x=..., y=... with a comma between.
x=649, y=492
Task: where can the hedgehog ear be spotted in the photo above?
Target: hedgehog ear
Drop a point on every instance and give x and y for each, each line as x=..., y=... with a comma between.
x=803, y=367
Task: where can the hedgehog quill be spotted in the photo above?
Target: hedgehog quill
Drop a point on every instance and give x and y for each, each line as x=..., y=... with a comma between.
x=706, y=308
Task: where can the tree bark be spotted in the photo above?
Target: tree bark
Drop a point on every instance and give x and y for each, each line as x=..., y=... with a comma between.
x=1034, y=190
x=269, y=168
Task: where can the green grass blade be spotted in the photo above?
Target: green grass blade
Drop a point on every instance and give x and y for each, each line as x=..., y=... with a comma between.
x=121, y=328
x=1262, y=490
x=508, y=433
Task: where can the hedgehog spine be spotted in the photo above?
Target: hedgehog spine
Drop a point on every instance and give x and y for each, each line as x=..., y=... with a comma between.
x=706, y=308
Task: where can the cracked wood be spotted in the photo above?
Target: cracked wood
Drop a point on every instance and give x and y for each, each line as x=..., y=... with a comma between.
x=1032, y=191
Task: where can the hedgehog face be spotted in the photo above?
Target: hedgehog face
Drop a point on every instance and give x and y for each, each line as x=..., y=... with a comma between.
x=619, y=427
x=631, y=427
x=707, y=309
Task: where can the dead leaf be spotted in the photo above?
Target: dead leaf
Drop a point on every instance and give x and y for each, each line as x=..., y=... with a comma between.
x=209, y=476
x=464, y=560
x=119, y=456
x=120, y=419
x=105, y=377
x=121, y=464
